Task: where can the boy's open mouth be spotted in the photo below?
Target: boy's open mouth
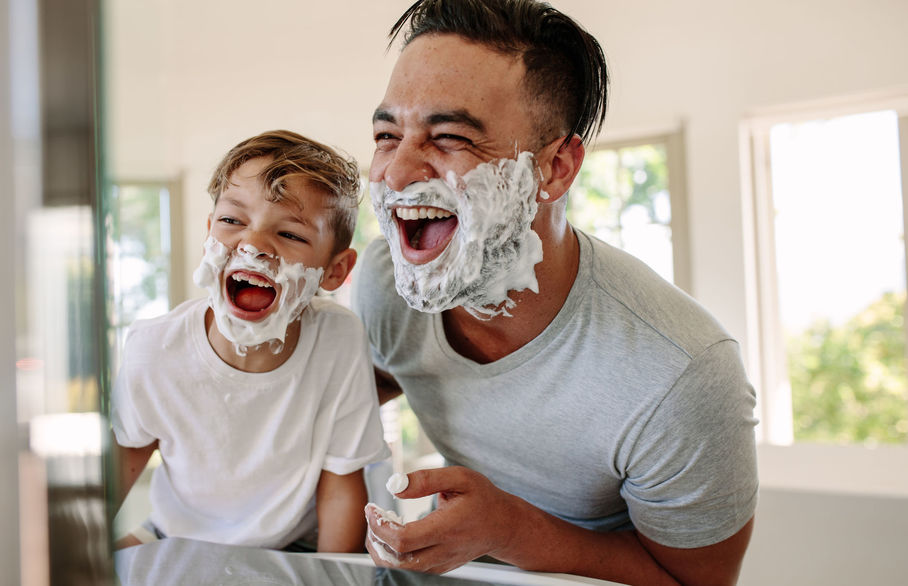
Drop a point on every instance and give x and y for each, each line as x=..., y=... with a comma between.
x=249, y=292
x=424, y=232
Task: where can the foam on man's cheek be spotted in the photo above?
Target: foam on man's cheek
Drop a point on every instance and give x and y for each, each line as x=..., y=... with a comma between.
x=494, y=250
x=298, y=284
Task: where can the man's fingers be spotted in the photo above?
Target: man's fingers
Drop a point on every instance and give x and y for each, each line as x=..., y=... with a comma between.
x=404, y=538
x=452, y=479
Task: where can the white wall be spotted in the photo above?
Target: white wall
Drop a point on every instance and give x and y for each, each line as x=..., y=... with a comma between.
x=190, y=79
x=187, y=80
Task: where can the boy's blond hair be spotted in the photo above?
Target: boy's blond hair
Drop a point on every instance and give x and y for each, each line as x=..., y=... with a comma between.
x=294, y=155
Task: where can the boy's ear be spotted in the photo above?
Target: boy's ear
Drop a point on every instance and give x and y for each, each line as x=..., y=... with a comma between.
x=338, y=268
x=561, y=169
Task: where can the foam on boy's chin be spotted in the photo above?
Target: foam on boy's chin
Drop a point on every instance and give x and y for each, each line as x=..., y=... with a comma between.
x=494, y=250
x=298, y=284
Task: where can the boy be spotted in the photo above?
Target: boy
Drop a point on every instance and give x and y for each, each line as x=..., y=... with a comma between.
x=263, y=396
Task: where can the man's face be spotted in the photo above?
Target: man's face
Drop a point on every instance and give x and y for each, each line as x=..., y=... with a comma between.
x=451, y=108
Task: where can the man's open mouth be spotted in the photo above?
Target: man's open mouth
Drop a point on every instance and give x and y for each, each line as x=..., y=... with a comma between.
x=424, y=232
x=250, y=293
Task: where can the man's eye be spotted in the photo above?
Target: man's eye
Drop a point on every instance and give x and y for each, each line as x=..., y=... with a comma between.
x=385, y=140
x=451, y=141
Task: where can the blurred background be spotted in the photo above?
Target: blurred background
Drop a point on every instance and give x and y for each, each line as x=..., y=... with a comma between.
x=755, y=154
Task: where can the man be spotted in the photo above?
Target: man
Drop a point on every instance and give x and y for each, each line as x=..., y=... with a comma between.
x=596, y=420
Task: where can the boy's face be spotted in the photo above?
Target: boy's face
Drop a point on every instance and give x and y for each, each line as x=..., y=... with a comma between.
x=296, y=230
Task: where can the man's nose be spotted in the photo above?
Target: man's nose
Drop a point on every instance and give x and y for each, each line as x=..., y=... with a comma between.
x=408, y=164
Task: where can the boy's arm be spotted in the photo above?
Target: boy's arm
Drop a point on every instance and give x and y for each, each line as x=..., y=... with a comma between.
x=340, y=500
x=130, y=464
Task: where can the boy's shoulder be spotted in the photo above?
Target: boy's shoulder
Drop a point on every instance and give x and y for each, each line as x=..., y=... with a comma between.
x=177, y=322
x=326, y=311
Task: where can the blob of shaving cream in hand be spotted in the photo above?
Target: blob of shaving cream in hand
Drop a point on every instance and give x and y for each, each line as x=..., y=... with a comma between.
x=397, y=483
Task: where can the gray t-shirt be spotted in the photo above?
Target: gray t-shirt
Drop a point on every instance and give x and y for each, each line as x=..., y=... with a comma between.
x=631, y=406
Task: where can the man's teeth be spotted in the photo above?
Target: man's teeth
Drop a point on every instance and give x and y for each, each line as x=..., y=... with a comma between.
x=422, y=213
x=251, y=279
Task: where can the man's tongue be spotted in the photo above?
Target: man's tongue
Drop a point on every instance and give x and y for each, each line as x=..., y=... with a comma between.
x=254, y=298
x=434, y=232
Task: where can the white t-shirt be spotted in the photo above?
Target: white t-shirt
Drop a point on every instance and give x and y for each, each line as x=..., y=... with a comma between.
x=242, y=452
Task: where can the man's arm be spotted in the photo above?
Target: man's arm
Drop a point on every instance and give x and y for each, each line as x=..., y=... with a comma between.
x=475, y=518
x=339, y=501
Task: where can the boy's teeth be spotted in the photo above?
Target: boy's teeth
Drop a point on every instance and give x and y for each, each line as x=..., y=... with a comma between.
x=422, y=213
x=251, y=279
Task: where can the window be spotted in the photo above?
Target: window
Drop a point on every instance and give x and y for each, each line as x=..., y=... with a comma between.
x=826, y=239
x=630, y=195
x=139, y=250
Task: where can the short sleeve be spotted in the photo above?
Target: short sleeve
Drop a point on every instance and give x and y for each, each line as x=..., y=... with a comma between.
x=692, y=478
x=127, y=401
x=357, y=437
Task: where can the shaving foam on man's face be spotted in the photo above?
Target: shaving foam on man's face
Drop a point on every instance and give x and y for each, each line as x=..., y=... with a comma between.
x=483, y=222
x=254, y=296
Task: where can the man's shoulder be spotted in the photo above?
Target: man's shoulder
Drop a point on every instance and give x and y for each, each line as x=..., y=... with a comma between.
x=648, y=298
x=376, y=258
x=373, y=280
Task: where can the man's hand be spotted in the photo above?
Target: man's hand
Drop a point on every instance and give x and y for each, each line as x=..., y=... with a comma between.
x=473, y=518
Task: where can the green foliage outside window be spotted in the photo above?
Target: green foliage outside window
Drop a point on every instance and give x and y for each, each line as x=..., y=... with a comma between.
x=611, y=182
x=848, y=382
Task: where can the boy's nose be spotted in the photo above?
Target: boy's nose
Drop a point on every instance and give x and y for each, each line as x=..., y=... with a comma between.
x=256, y=244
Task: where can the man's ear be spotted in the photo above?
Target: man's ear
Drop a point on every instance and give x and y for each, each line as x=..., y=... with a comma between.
x=560, y=168
x=337, y=269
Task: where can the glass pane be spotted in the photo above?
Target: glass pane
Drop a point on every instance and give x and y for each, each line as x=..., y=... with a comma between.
x=621, y=196
x=840, y=257
x=138, y=255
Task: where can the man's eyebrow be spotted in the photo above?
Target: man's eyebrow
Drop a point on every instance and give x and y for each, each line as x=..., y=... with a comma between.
x=456, y=117
x=383, y=116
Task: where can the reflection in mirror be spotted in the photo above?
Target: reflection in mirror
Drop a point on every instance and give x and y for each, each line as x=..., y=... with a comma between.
x=58, y=295
x=184, y=561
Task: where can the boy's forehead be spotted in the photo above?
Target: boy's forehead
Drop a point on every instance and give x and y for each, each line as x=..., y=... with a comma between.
x=298, y=193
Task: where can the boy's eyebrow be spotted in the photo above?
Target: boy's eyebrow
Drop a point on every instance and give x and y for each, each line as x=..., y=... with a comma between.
x=460, y=116
x=291, y=215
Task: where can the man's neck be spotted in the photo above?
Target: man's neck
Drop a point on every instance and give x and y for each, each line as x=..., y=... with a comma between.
x=488, y=341
x=257, y=358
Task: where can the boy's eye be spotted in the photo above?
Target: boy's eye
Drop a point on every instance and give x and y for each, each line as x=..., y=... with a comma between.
x=228, y=220
x=292, y=236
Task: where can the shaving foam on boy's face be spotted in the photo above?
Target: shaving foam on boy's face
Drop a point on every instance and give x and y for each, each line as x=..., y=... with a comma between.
x=254, y=295
x=482, y=220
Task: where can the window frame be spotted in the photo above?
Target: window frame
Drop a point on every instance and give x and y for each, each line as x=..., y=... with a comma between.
x=674, y=140
x=859, y=469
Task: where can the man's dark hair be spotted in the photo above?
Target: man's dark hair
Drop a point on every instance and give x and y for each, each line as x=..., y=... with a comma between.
x=565, y=67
